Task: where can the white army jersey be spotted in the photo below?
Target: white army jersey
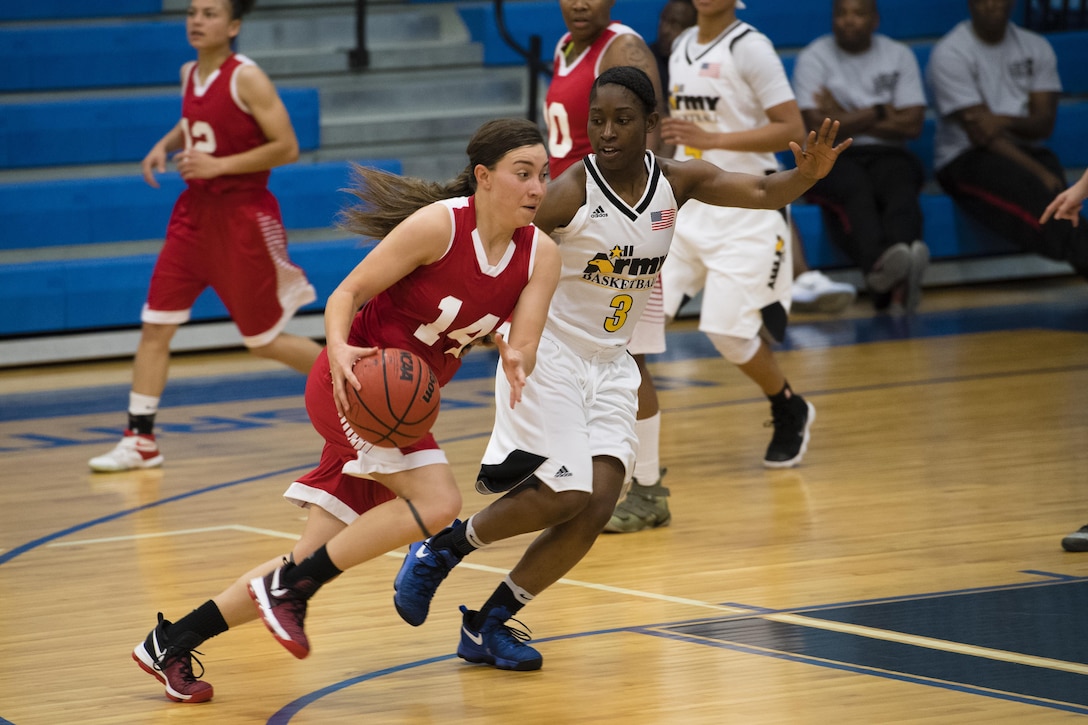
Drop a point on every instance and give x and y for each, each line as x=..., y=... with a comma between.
x=727, y=85
x=612, y=254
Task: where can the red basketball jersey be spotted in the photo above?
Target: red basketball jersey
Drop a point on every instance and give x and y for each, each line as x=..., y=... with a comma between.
x=567, y=100
x=216, y=122
x=438, y=309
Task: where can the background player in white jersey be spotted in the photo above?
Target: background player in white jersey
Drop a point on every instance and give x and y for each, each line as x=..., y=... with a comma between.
x=225, y=231
x=563, y=454
x=872, y=86
x=731, y=104
x=454, y=261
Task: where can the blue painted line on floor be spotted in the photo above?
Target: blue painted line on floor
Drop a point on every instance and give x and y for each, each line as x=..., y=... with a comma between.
x=7, y=556
x=682, y=345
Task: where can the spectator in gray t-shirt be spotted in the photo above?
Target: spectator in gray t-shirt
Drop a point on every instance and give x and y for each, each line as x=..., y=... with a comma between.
x=996, y=89
x=871, y=85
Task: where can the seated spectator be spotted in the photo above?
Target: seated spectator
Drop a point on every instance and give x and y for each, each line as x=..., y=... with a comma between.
x=676, y=16
x=996, y=88
x=871, y=84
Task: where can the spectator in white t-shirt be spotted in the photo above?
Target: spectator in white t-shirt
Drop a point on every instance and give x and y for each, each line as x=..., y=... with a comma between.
x=871, y=84
x=996, y=89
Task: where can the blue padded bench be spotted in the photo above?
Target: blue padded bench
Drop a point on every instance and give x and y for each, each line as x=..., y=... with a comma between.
x=92, y=56
x=948, y=232
x=67, y=9
x=113, y=130
x=124, y=208
x=85, y=294
x=1071, y=48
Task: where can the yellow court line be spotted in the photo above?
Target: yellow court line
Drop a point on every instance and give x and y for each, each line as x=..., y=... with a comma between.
x=794, y=619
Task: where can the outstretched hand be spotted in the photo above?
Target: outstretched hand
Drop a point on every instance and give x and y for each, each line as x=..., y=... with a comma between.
x=1066, y=205
x=820, y=152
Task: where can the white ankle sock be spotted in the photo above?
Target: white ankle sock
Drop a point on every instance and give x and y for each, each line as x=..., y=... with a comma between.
x=648, y=463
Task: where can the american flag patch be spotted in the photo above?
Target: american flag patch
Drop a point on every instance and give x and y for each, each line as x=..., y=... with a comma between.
x=662, y=219
x=711, y=70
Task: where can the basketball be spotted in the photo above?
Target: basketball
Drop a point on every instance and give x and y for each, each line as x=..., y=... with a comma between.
x=399, y=399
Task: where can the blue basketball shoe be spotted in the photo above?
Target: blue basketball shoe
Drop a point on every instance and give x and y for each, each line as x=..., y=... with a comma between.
x=423, y=570
x=497, y=643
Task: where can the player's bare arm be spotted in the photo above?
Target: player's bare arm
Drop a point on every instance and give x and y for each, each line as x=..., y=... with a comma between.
x=174, y=140
x=155, y=161
x=697, y=179
x=259, y=95
x=565, y=196
x=527, y=321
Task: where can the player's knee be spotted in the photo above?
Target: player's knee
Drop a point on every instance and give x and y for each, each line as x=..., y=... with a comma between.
x=565, y=505
x=435, y=512
x=267, y=351
x=550, y=508
x=737, y=350
x=154, y=334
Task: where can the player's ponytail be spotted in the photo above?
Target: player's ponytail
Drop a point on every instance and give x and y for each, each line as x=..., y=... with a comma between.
x=388, y=199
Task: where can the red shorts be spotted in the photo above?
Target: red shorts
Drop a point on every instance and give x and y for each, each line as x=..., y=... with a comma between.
x=340, y=483
x=234, y=243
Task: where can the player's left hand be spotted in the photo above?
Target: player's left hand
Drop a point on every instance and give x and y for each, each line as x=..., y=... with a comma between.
x=513, y=366
x=818, y=156
x=197, y=165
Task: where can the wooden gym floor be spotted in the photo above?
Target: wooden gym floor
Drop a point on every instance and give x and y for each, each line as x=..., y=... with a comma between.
x=908, y=572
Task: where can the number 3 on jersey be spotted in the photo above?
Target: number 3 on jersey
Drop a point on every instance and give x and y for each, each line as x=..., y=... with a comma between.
x=448, y=309
x=622, y=305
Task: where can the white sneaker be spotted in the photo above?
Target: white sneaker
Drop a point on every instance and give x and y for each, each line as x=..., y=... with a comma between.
x=133, y=452
x=813, y=291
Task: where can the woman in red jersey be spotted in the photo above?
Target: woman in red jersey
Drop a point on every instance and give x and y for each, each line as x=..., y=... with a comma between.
x=455, y=261
x=225, y=231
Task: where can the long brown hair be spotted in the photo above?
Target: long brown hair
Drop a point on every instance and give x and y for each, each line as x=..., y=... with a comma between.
x=388, y=199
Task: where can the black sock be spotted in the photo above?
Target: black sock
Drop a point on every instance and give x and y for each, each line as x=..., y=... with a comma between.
x=454, y=538
x=204, y=622
x=503, y=596
x=317, y=566
x=782, y=395
x=142, y=424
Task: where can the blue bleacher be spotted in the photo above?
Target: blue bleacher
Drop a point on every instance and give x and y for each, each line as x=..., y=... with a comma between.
x=124, y=208
x=114, y=130
x=128, y=47
x=948, y=233
x=56, y=57
x=66, y=9
x=85, y=294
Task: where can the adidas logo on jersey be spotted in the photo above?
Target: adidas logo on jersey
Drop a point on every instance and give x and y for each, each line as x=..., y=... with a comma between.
x=598, y=213
x=563, y=473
